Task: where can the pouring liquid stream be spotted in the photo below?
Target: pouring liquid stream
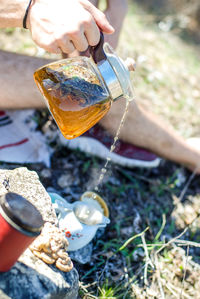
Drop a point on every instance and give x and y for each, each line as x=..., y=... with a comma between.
x=129, y=98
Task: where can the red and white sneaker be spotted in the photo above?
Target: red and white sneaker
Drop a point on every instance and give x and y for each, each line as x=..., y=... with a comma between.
x=98, y=141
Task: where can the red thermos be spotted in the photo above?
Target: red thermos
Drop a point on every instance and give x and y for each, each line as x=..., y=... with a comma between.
x=20, y=224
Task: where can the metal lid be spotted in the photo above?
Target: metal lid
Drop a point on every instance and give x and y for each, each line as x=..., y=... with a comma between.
x=114, y=71
x=121, y=69
x=21, y=212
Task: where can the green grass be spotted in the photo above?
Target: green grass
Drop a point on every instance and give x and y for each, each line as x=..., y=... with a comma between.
x=107, y=291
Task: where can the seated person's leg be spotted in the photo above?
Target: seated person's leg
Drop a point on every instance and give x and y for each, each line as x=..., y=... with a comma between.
x=115, y=13
x=145, y=130
x=18, y=90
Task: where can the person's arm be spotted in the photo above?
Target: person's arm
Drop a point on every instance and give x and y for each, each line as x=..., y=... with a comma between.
x=57, y=25
x=12, y=13
x=115, y=13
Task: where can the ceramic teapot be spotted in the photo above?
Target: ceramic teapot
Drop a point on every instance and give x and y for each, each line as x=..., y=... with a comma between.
x=79, y=221
x=79, y=91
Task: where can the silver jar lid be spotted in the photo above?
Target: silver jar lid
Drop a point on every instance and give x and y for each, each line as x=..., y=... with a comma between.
x=114, y=71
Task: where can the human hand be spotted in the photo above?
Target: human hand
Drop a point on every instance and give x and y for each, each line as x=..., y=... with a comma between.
x=66, y=25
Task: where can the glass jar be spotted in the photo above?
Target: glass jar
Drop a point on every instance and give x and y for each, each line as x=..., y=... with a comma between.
x=75, y=94
x=79, y=91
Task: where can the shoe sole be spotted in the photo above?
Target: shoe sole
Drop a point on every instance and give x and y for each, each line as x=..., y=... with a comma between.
x=87, y=144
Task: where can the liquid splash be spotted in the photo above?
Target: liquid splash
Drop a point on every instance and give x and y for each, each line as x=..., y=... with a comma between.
x=129, y=98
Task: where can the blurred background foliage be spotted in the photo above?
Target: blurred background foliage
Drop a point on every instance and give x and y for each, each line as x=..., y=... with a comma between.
x=184, y=14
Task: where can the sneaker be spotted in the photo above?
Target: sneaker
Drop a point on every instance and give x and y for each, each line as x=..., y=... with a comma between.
x=98, y=141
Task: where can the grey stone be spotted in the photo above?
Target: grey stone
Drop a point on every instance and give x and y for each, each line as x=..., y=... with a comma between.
x=46, y=173
x=27, y=184
x=65, y=180
x=31, y=278
x=82, y=255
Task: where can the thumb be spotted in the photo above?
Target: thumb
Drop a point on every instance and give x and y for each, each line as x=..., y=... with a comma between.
x=99, y=18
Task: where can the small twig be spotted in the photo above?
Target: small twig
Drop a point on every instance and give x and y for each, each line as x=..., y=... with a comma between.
x=187, y=185
x=177, y=242
x=186, y=243
x=84, y=288
x=103, y=270
x=172, y=240
x=129, y=176
x=89, y=285
x=179, y=236
x=171, y=290
x=148, y=260
x=150, y=245
x=146, y=265
x=184, y=274
x=178, y=290
x=130, y=283
x=158, y=277
x=126, y=277
x=131, y=239
x=93, y=269
x=101, y=275
x=161, y=229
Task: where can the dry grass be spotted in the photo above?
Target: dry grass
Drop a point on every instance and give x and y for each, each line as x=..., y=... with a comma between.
x=167, y=73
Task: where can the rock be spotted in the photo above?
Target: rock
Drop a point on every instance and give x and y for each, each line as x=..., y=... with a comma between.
x=27, y=184
x=30, y=277
x=65, y=180
x=46, y=173
x=83, y=255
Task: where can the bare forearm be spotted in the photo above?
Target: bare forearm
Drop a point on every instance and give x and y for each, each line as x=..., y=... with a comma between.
x=18, y=90
x=118, y=7
x=12, y=12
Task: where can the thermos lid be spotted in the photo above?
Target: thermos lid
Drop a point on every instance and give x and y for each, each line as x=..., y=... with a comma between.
x=21, y=212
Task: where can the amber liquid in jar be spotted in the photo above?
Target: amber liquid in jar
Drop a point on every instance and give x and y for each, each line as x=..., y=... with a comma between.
x=75, y=95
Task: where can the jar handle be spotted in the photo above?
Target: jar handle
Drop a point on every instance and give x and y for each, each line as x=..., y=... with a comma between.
x=97, y=52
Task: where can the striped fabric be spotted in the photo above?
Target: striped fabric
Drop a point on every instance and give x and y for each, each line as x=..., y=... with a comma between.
x=19, y=142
